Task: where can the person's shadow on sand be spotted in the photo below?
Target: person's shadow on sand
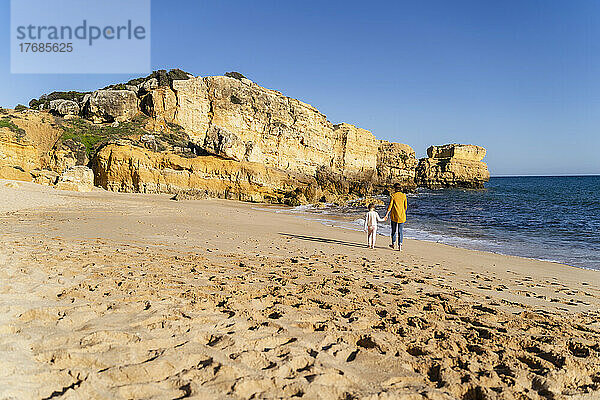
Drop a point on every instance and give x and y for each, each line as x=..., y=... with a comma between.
x=324, y=240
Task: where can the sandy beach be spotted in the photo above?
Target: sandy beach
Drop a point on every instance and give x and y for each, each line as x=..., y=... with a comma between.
x=106, y=295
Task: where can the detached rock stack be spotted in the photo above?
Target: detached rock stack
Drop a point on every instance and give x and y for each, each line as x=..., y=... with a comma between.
x=396, y=163
x=453, y=165
x=78, y=179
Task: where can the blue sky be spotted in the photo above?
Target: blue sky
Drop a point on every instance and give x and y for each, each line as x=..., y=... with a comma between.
x=521, y=78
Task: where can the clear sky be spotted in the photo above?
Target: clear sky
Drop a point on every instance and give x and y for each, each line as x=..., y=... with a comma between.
x=521, y=78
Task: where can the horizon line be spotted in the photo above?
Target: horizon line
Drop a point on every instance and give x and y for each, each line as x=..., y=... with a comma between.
x=542, y=175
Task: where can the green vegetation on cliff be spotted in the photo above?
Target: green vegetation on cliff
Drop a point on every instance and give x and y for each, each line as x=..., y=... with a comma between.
x=7, y=123
x=45, y=100
x=94, y=136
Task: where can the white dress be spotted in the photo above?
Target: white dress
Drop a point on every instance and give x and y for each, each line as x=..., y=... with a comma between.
x=371, y=219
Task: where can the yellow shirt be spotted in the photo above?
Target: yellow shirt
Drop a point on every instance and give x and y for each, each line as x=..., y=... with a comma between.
x=397, y=208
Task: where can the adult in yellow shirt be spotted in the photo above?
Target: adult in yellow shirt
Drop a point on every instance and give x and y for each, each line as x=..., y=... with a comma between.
x=397, y=213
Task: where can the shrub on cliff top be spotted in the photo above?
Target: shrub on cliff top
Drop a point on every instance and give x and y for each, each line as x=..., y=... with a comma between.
x=166, y=78
x=235, y=75
x=20, y=107
x=46, y=98
x=163, y=77
x=119, y=86
x=178, y=75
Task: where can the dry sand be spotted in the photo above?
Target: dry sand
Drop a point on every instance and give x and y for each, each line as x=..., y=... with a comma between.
x=106, y=295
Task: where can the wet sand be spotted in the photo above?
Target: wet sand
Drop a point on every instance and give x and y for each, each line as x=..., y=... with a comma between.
x=106, y=295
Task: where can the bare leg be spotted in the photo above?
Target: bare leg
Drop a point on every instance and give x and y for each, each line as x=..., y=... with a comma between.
x=371, y=239
x=374, y=237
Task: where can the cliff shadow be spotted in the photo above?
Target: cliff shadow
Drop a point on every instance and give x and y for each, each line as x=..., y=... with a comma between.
x=324, y=240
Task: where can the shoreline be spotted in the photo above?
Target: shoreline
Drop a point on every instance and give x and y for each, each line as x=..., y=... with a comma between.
x=140, y=296
x=341, y=224
x=54, y=197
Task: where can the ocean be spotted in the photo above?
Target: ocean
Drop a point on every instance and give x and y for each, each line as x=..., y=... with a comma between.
x=547, y=218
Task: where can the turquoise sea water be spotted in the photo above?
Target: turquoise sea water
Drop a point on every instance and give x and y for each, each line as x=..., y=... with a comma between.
x=548, y=218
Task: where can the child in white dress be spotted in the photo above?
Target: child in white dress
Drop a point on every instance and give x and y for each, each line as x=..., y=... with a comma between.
x=371, y=220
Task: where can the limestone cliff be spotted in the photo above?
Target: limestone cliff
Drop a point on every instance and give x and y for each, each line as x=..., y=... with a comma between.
x=243, y=121
x=396, y=163
x=31, y=150
x=126, y=168
x=25, y=140
x=453, y=165
x=234, y=118
x=233, y=138
x=17, y=156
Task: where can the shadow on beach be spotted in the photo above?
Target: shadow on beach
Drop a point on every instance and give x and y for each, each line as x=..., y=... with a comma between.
x=324, y=240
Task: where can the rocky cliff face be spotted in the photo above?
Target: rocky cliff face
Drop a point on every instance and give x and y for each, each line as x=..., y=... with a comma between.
x=110, y=105
x=234, y=118
x=31, y=150
x=453, y=165
x=396, y=163
x=229, y=129
x=17, y=157
x=239, y=120
x=126, y=168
